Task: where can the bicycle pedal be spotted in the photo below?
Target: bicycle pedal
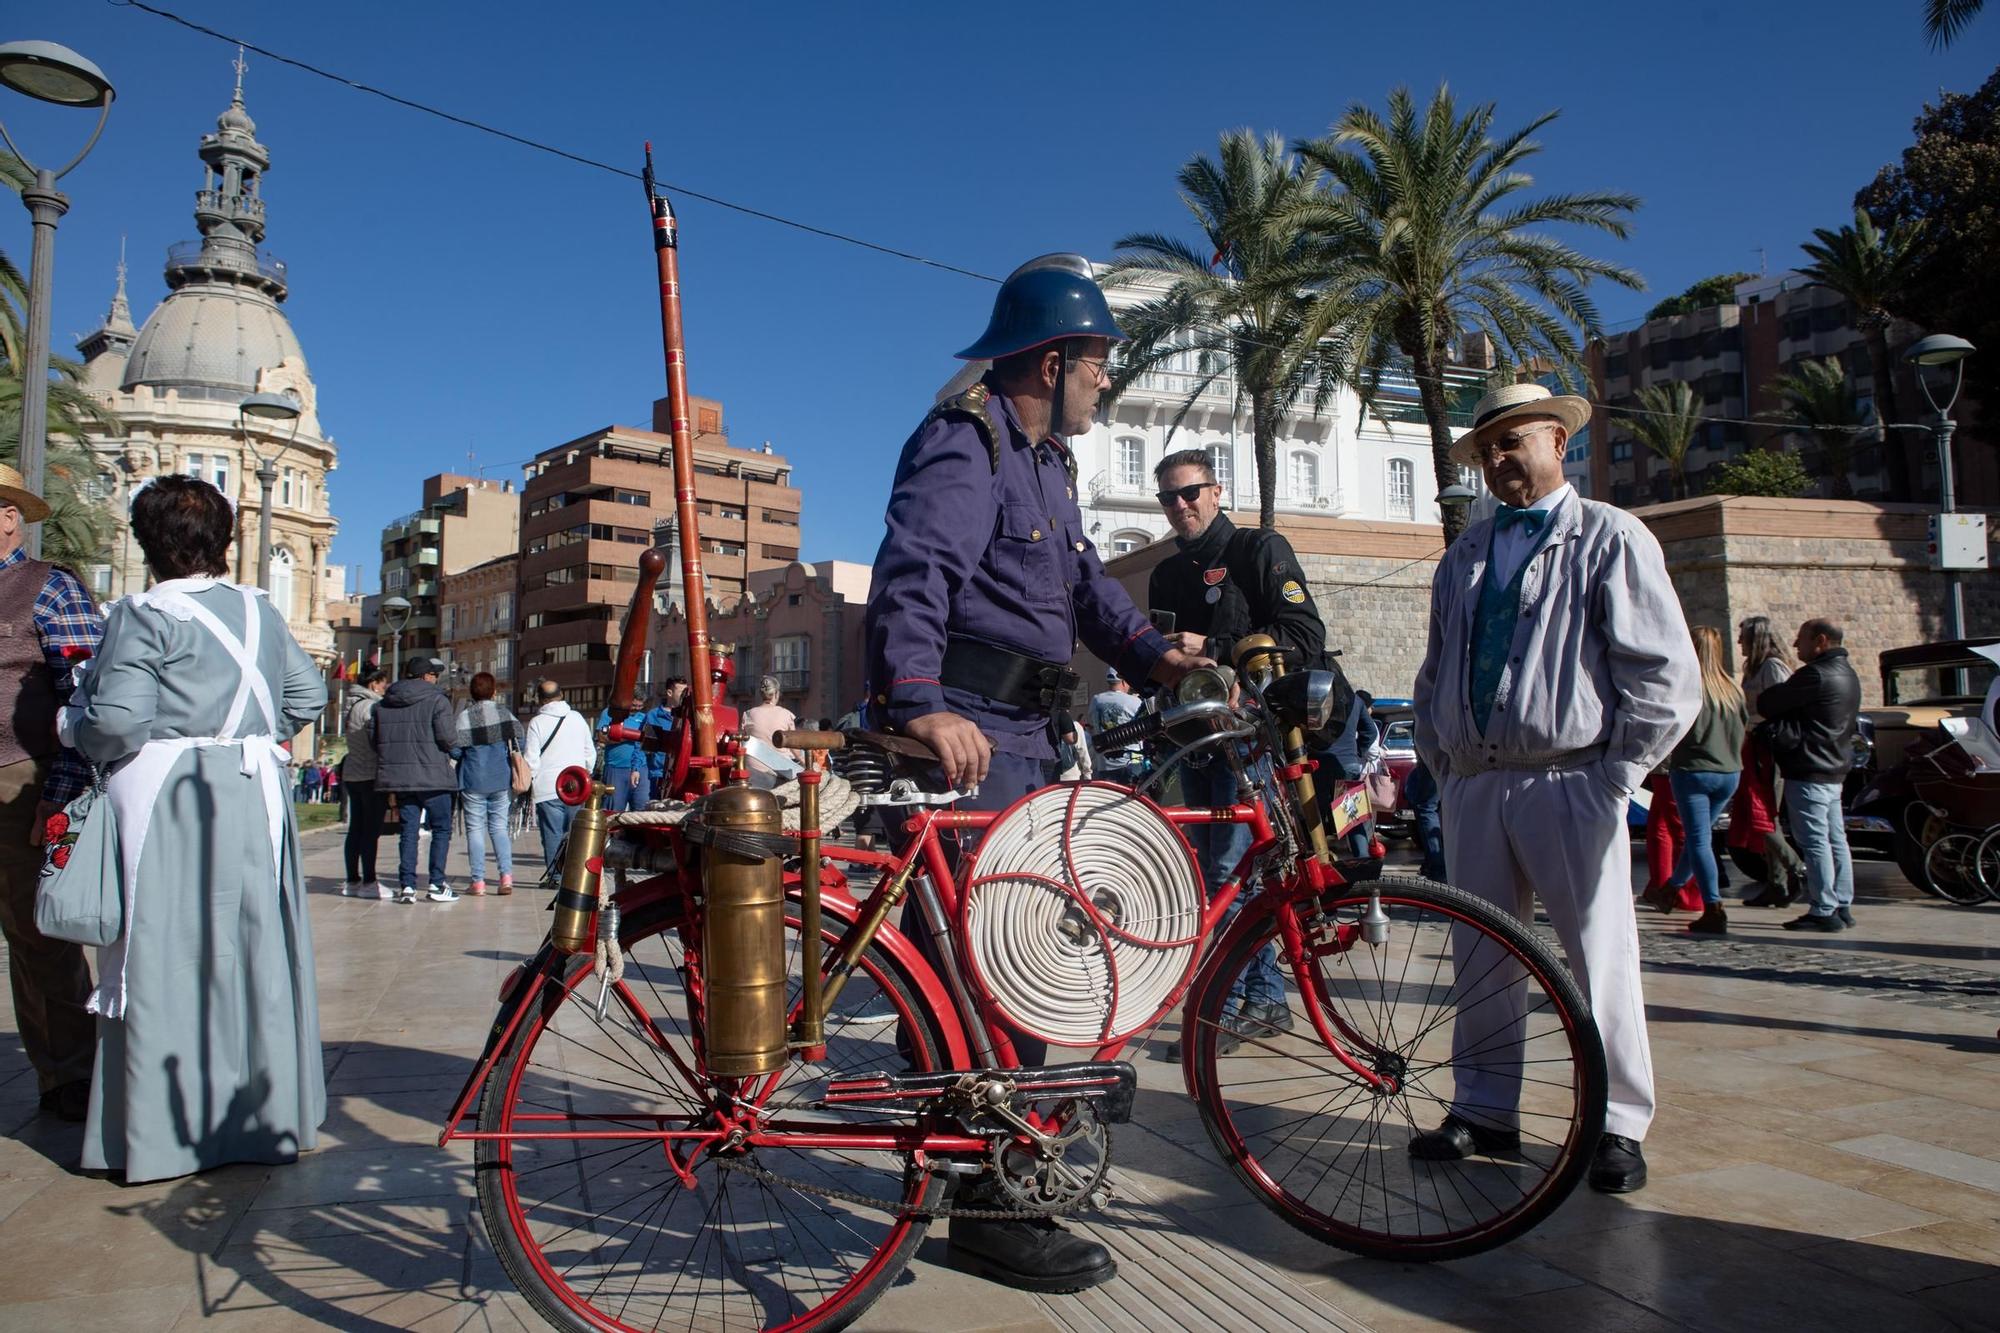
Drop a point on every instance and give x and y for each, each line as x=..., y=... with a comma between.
x=1110, y=1084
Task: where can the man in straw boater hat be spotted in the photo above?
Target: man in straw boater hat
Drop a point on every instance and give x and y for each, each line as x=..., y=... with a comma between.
x=1559, y=672
x=44, y=611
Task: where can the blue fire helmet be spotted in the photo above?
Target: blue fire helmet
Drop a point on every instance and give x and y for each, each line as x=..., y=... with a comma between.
x=1044, y=301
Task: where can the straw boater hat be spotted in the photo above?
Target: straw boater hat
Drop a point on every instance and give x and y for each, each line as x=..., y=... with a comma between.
x=1518, y=400
x=14, y=491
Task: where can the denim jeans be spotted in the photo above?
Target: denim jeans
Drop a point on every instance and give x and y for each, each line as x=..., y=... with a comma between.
x=1819, y=826
x=1703, y=799
x=625, y=795
x=1420, y=789
x=364, y=829
x=486, y=818
x=552, y=820
x=1218, y=847
x=436, y=813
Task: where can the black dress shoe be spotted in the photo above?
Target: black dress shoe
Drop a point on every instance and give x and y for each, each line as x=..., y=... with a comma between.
x=1033, y=1253
x=69, y=1102
x=1828, y=924
x=1846, y=917
x=1619, y=1167
x=1456, y=1139
x=1710, y=922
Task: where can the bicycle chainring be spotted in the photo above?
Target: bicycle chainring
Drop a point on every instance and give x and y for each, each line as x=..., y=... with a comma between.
x=1062, y=1173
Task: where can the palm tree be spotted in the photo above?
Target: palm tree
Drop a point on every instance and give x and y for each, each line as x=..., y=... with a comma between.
x=1874, y=271
x=1230, y=302
x=1423, y=237
x=1944, y=20
x=1668, y=419
x=1819, y=398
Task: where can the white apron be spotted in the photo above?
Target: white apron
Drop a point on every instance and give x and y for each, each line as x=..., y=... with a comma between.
x=133, y=783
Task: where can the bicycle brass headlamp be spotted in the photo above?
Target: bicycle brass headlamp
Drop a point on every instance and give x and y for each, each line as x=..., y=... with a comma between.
x=1211, y=684
x=1303, y=698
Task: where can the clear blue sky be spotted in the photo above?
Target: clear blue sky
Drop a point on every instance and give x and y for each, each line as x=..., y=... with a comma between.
x=455, y=292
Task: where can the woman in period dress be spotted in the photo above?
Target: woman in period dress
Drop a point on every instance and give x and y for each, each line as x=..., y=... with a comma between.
x=208, y=1024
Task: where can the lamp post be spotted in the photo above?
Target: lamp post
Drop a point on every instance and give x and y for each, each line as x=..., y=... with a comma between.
x=48, y=73
x=396, y=614
x=1456, y=497
x=267, y=407
x=1942, y=349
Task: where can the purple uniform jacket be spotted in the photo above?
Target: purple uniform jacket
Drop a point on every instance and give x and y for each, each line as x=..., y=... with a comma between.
x=997, y=555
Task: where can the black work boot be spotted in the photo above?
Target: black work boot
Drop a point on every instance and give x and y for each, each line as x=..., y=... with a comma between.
x=1032, y=1253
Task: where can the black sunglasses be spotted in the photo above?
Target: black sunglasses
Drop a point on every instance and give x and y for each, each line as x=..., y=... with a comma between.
x=1186, y=494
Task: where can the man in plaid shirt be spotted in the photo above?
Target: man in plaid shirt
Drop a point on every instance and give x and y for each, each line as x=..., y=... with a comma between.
x=47, y=622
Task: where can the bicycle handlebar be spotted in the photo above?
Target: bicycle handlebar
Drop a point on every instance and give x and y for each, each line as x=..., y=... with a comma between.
x=809, y=740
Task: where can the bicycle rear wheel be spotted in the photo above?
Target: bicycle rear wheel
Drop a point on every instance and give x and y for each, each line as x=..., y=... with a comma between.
x=603, y=1233
x=1952, y=865
x=1329, y=1151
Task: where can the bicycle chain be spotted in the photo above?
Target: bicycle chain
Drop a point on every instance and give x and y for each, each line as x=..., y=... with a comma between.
x=945, y=1210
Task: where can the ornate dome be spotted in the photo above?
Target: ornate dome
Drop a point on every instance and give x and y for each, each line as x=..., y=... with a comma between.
x=212, y=336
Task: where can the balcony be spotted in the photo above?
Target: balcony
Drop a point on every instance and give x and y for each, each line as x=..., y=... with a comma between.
x=428, y=555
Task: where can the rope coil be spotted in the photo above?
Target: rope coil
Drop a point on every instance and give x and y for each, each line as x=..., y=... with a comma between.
x=1082, y=913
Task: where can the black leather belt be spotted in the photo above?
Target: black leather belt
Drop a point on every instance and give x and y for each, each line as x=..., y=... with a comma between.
x=1009, y=677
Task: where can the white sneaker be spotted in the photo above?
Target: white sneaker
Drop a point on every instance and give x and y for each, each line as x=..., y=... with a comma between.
x=408, y=895
x=384, y=892
x=352, y=888
x=441, y=893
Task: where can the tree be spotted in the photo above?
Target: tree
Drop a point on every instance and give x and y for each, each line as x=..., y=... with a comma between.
x=1230, y=302
x=1422, y=236
x=1668, y=419
x=1875, y=269
x=1761, y=472
x=1944, y=20
x=1819, y=398
x=1949, y=180
x=1718, y=290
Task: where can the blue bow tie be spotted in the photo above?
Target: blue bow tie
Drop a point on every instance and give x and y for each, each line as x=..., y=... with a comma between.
x=1531, y=519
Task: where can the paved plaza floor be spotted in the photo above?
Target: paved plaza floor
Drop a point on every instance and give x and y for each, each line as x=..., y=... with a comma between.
x=1827, y=1156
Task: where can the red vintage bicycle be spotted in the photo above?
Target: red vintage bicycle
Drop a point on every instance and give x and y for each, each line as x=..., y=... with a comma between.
x=729, y=1091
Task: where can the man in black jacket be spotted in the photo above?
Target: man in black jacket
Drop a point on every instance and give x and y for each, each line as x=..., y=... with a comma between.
x=1224, y=583
x=414, y=736
x=1810, y=724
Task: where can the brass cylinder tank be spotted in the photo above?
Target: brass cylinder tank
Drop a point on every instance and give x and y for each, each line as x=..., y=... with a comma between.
x=743, y=935
x=574, y=929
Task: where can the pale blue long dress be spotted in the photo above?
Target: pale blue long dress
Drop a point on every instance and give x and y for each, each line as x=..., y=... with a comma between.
x=214, y=1054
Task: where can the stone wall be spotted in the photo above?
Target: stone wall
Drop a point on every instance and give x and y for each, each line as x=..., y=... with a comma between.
x=1860, y=563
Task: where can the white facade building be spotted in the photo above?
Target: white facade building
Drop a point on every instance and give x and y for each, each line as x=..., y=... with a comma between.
x=1341, y=462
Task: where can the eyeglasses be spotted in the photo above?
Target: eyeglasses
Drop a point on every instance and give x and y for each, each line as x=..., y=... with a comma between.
x=1185, y=494
x=1100, y=366
x=1512, y=441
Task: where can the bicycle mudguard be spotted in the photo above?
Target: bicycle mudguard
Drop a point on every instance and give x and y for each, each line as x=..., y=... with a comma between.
x=523, y=984
x=1111, y=1084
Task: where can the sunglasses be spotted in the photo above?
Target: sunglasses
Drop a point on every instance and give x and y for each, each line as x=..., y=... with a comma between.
x=1185, y=494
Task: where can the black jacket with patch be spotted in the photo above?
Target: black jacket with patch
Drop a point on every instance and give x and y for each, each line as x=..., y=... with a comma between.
x=1262, y=590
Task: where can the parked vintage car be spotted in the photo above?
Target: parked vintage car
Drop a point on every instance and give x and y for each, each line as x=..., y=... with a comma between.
x=1399, y=742
x=1921, y=686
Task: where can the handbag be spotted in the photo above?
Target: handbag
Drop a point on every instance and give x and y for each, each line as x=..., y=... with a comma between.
x=520, y=777
x=81, y=897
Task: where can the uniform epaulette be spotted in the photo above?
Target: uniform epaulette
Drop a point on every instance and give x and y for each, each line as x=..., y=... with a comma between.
x=971, y=406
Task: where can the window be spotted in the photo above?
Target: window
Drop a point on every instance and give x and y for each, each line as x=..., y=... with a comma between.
x=1402, y=488
x=100, y=580
x=194, y=463
x=395, y=580
x=790, y=658
x=1621, y=450
x=1222, y=458
x=220, y=463
x=281, y=581
x=1304, y=476
x=1124, y=542
x=780, y=552
x=503, y=657
x=1131, y=463
x=503, y=610
x=450, y=621
x=780, y=516
x=635, y=497
x=285, y=489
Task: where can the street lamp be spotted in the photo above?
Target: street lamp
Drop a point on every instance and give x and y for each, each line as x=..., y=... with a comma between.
x=1942, y=349
x=267, y=407
x=396, y=614
x=48, y=73
x=1455, y=500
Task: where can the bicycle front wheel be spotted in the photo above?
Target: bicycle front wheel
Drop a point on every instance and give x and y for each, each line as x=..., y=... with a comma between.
x=1454, y=1007
x=603, y=1230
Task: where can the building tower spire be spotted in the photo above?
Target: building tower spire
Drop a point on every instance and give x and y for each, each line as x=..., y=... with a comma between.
x=228, y=209
x=116, y=333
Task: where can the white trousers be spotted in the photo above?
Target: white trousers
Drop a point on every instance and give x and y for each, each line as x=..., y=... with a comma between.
x=1510, y=835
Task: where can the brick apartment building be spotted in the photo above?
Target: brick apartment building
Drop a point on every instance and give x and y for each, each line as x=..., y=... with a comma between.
x=476, y=623
x=464, y=521
x=590, y=507
x=1730, y=353
x=800, y=624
